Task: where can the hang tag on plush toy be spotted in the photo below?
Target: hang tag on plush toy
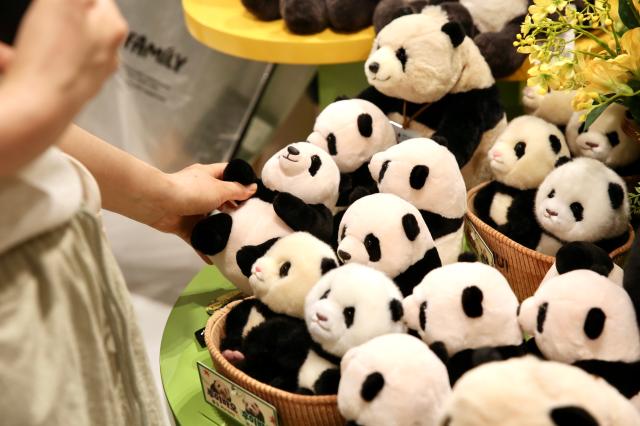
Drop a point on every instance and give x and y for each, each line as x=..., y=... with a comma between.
x=403, y=134
x=478, y=245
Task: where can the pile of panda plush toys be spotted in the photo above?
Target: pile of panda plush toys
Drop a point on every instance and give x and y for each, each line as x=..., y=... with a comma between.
x=352, y=249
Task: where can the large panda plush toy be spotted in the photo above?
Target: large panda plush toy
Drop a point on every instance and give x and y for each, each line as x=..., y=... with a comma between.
x=298, y=192
x=605, y=140
x=387, y=233
x=392, y=380
x=527, y=391
x=467, y=313
x=582, y=200
x=426, y=75
x=426, y=174
x=280, y=281
x=523, y=155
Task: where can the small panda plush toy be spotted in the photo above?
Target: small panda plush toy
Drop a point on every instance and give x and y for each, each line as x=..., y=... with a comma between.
x=467, y=313
x=605, y=140
x=527, y=391
x=280, y=281
x=352, y=131
x=523, y=155
x=582, y=200
x=298, y=192
x=387, y=233
x=428, y=76
x=426, y=174
x=553, y=106
x=580, y=255
x=392, y=380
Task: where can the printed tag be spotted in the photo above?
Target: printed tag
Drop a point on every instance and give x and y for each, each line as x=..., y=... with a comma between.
x=482, y=250
x=240, y=404
x=223, y=300
x=403, y=134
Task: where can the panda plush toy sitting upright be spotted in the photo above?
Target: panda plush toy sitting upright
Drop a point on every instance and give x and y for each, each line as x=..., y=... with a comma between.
x=428, y=76
x=467, y=313
x=523, y=155
x=426, y=174
x=582, y=200
x=387, y=233
x=298, y=192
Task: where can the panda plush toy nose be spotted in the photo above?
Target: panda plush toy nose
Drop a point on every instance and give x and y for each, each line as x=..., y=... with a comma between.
x=343, y=255
x=292, y=150
x=374, y=67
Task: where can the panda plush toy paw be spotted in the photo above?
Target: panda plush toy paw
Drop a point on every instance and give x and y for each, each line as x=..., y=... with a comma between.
x=466, y=321
x=298, y=192
x=426, y=174
x=553, y=106
x=280, y=281
x=527, y=391
x=387, y=233
x=392, y=380
x=582, y=200
x=580, y=255
x=428, y=76
x=523, y=155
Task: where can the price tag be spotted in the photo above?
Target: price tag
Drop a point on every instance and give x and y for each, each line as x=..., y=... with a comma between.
x=482, y=250
x=403, y=134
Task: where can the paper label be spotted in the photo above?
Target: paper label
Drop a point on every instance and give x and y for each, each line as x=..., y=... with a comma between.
x=403, y=134
x=233, y=400
x=482, y=250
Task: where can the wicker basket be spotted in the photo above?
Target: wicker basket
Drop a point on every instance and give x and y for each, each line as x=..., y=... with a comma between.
x=293, y=409
x=524, y=268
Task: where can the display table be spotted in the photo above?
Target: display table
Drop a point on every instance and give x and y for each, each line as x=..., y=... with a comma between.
x=179, y=350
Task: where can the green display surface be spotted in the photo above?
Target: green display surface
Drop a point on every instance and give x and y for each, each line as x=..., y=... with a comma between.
x=179, y=351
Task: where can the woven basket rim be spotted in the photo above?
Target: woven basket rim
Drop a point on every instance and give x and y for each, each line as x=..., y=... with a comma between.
x=216, y=323
x=503, y=239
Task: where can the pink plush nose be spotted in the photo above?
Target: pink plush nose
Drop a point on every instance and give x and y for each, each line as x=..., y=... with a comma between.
x=496, y=154
x=592, y=145
x=257, y=268
x=551, y=212
x=321, y=317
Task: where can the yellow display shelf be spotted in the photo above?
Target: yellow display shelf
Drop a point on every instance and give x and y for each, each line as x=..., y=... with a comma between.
x=226, y=26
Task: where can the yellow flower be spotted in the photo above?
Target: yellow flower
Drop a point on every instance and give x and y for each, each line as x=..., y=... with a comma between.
x=583, y=100
x=604, y=76
x=630, y=43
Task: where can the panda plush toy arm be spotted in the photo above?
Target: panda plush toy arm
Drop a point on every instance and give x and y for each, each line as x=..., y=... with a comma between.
x=315, y=219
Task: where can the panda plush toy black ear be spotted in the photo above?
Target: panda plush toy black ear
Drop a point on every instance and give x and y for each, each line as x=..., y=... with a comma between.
x=580, y=255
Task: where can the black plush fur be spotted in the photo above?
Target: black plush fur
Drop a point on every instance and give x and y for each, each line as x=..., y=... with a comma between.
x=410, y=278
x=355, y=185
x=349, y=15
x=632, y=276
x=236, y=320
x=247, y=255
x=265, y=10
x=572, y=415
x=521, y=225
x=305, y=16
x=580, y=255
x=460, y=118
x=467, y=359
x=621, y=375
x=440, y=225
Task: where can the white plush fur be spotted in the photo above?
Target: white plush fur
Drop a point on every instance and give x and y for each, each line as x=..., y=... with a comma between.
x=416, y=383
x=570, y=297
x=341, y=120
x=381, y=215
x=493, y=15
x=444, y=192
x=434, y=67
x=366, y=290
x=286, y=295
x=554, y=107
x=586, y=181
x=539, y=159
x=594, y=142
x=446, y=321
x=525, y=391
x=287, y=172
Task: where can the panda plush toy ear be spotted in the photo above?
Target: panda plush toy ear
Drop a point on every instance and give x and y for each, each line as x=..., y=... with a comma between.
x=582, y=255
x=455, y=32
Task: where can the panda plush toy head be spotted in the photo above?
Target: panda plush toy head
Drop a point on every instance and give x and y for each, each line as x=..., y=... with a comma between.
x=605, y=140
x=526, y=152
x=582, y=315
x=583, y=200
x=385, y=232
x=423, y=57
x=282, y=278
x=393, y=379
x=527, y=391
x=351, y=131
x=305, y=171
x=464, y=306
x=424, y=173
x=351, y=305
x=580, y=255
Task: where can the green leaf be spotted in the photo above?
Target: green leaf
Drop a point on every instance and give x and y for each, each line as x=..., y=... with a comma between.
x=594, y=114
x=633, y=103
x=628, y=14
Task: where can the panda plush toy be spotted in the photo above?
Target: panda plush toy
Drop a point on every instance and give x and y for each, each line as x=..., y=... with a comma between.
x=298, y=192
x=583, y=318
x=280, y=281
x=348, y=306
x=605, y=140
x=352, y=131
x=467, y=313
x=426, y=174
x=580, y=255
x=527, y=391
x=392, y=380
x=428, y=76
x=582, y=200
x=387, y=233
x=554, y=106
x=523, y=155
